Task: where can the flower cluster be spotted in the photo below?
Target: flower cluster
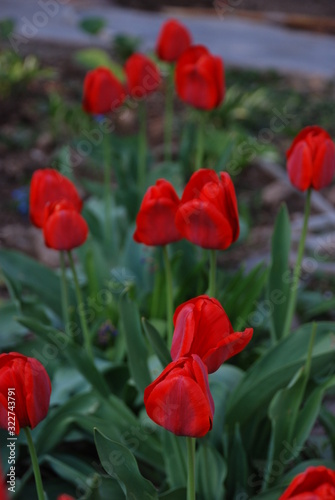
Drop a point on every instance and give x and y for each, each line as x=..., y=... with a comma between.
x=206, y=215
x=199, y=76
x=55, y=207
x=179, y=399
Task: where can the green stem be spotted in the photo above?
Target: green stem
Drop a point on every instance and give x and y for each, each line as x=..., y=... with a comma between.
x=107, y=193
x=169, y=294
x=191, y=468
x=36, y=467
x=64, y=295
x=142, y=147
x=86, y=334
x=212, y=273
x=200, y=142
x=297, y=268
x=168, y=115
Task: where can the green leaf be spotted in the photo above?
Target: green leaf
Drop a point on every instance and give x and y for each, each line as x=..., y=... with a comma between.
x=75, y=354
x=174, y=494
x=33, y=276
x=92, y=58
x=328, y=421
x=237, y=463
x=175, y=458
x=92, y=25
x=11, y=330
x=222, y=383
x=157, y=343
x=120, y=463
x=275, y=369
x=136, y=348
x=279, y=286
x=211, y=472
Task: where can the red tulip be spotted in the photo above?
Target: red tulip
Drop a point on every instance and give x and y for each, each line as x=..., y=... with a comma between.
x=64, y=228
x=202, y=327
x=208, y=214
x=200, y=78
x=173, y=39
x=155, y=221
x=48, y=186
x=180, y=400
x=316, y=483
x=143, y=76
x=103, y=92
x=65, y=497
x=31, y=390
x=311, y=159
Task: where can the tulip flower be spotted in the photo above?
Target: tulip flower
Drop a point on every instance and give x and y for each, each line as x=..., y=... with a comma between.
x=142, y=74
x=200, y=78
x=316, y=483
x=155, y=221
x=311, y=159
x=48, y=186
x=103, y=92
x=180, y=400
x=64, y=228
x=208, y=214
x=173, y=39
x=202, y=327
x=65, y=497
x=31, y=390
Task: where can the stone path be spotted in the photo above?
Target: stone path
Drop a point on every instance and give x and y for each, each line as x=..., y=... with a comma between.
x=240, y=42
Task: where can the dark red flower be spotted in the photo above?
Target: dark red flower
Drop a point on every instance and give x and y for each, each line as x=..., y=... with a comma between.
x=155, y=221
x=31, y=387
x=65, y=497
x=173, y=39
x=143, y=76
x=208, y=214
x=64, y=228
x=103, y=92
x=316, y=483
x=200, y=78
x=311, y=159
x=48, y=186
x=202, y=327
x=180, y=400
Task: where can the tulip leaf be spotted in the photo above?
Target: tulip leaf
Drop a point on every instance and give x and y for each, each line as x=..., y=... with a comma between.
x=33, y=276
x=327, y=419
x=237, y=463
x=120, y=463
x=278, y=282
x=211, y=472
x=136, y=347
x=275, y=369
x=75, y=354
x=157, y=343
x=175, y=458
x=92, y=58
x=174, y=494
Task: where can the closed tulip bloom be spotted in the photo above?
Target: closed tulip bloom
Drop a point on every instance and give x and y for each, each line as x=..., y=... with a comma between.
x=208, y=214
x=311, y=159
x=180, y=400
x=32, y=387
x=103, y=92
x=155, y=221
x=173, y=39
x=316, y=483
x=49, y=186
x=64, y=228
x=202, y=327
x=200, y=78
x=143, y=76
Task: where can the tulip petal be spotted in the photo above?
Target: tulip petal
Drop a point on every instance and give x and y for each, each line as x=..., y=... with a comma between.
x=324, y=165
x=65, y=230
x=201, y=223
x=38, y=391
x=174, y=38
x=300, y=167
